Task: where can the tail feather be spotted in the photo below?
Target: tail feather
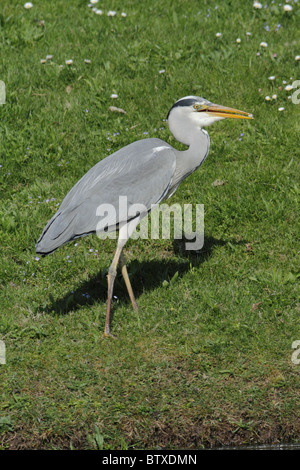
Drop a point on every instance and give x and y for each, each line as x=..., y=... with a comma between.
x=57, y=232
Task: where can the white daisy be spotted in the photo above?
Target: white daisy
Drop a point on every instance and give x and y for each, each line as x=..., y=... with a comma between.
x=114, y=95
x=264, y=44
x=281, y=109
x=274, y=97
x=69, y=62
x=123, y=14
x=272, y=77
x=287, y=8
x=111, y=13
x=297, y=57
x=28, y=5
x=238, y=40
x=257, y=5
x=288, y=87
x=267, y=98
x=218, y=35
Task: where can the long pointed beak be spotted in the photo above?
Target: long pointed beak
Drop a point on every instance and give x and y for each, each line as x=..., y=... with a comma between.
x=222, y=111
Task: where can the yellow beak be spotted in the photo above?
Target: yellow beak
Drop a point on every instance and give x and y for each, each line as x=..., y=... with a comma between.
x=222, y=111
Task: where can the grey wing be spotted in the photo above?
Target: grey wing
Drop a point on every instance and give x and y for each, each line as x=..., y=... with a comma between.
x=141, y=173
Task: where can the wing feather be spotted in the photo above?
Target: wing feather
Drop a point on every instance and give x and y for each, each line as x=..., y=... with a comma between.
x=142, y=172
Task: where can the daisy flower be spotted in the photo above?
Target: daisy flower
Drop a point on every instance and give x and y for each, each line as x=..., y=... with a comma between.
x=69, y=62
x=281, y=109
x=238, y=40
x=218, y=35
x=287, y=8
x=297, y=57
x=114, y=96
x=257, y=5
x=28, y=5
x=264, y=44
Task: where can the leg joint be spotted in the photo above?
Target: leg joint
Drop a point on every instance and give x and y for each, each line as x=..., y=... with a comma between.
x=112, y=271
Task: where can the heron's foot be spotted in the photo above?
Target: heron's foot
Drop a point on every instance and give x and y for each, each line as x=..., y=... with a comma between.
x=107, y=335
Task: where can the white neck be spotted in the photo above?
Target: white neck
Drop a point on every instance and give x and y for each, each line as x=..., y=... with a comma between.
x=183, y=130
x=186, y=125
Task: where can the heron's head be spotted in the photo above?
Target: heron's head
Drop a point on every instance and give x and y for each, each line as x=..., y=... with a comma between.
x=192, y=112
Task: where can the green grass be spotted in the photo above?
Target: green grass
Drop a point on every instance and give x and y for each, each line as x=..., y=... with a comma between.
x=207, y=359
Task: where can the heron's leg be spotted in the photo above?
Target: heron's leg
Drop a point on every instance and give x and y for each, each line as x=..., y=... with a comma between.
x=112, y=272
x=124, y=234
x=127, y=281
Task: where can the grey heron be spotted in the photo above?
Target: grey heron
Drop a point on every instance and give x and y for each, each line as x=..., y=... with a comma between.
x=147, y=172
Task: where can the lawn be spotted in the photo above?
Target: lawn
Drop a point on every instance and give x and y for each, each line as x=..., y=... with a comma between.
x=207, y=360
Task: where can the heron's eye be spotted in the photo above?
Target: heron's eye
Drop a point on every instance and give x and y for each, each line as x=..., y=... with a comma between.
x=198, y=107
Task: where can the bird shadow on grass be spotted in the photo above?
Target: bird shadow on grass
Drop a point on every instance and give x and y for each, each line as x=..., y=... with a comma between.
x=144, y=276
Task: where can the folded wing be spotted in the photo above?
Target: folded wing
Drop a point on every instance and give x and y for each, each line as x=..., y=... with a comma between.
x=140, y=173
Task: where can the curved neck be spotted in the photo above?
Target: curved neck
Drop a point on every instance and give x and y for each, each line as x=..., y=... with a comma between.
x=185, y=131
x=189, y=160
x=185, y=127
